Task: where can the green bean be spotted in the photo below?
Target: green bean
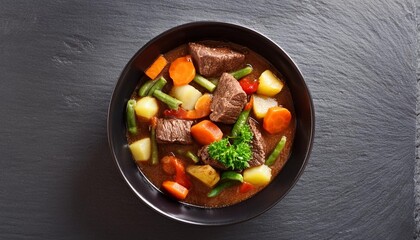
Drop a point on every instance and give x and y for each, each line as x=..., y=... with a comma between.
x=276, y=152
x=243, y=117
x=242, y=72
x=204, y=83
x=145, y=88
x=220, y=187
x=160, y=83
x=155, y=154
x=172, y=103
x=131, y=116
x=232, y=175
x=192, y=156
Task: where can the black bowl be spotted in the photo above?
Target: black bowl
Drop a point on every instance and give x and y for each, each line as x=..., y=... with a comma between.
x=263, y=200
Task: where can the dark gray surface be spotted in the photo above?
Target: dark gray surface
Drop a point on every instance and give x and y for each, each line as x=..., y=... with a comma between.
x=59, y=63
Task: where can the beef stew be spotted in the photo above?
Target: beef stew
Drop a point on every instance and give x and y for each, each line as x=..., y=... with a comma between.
x=183, y=167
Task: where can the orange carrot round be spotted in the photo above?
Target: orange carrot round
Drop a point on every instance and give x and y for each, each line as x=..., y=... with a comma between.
x=206, y=132
x=175, y=189
x=182, y=70
x=276, y=120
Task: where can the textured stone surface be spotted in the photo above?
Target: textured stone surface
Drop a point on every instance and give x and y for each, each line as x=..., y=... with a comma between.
x=60, y=61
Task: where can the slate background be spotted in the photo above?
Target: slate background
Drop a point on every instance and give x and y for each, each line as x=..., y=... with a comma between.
x=61, y=59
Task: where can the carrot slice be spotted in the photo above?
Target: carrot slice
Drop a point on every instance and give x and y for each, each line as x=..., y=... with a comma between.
x=156, y=67
x=276, y=120
x=206, y=132
x=173, y=166
x=182, y=70
x=202, y=107
x=175, y=189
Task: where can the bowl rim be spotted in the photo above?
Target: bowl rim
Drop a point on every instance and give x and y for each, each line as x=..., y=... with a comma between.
x=225, y=25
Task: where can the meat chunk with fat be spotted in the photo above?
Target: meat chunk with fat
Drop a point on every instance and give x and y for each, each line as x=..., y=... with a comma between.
x=174, y=131
x=212, y=62
x=257, y=145
x=228, y=100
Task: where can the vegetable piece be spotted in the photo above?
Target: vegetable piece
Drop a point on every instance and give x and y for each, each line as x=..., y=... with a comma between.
x=242, y=72
x=205, y=173
x=175, y=189
x=243, y=117
x=262, y=104
x=276, y=120
x=269, y=85
x=188, y=154
x=147, y=107
x=234, y=156
x=220, y=187
x=202, y=109
x=140, y=149
x=160, y=83
x=249, y=85
x=154, y=154
x=206, y=132
x=131, y=116
x=192, y=156
x=172, y=103
x=182, y=70
x=145, y=88
x=246, y=187
x=200, y=80
x=156, y=67
x=173, y=165
x=258, y=176
x=276, y=152
x=231, y=175
x=187, y=94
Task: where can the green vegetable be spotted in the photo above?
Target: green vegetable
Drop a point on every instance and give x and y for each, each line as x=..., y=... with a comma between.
x=243, y=117
x=160, y=83
x=204, y=83
x=233, y=155
x=131, y=116
x=242, y=72
x=189, y=155
x=276, y=152
x=192, y=156
x=146, y=88
x=172, y=103
x=220, y=187
x=231, y=175
x=155, y=154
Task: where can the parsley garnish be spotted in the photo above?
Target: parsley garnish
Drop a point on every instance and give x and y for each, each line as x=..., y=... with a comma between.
x=233, y=152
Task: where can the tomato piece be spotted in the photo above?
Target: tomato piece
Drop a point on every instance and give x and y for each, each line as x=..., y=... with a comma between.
x=249, y=85
x=246, y=187
x=180, y=113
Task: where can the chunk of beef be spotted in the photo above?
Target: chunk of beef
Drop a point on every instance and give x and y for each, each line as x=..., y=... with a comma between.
x=212, y=62
x=203, y=153
x=228, y=100
x=173, y=130
x=257, y=144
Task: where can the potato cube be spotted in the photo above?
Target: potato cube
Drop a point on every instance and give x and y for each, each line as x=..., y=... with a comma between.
x=141, y=149
x=269, y=84
x=259, y=175
x=262, y=104
x=205, y=173
x=147, y=107
x=187, y=94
